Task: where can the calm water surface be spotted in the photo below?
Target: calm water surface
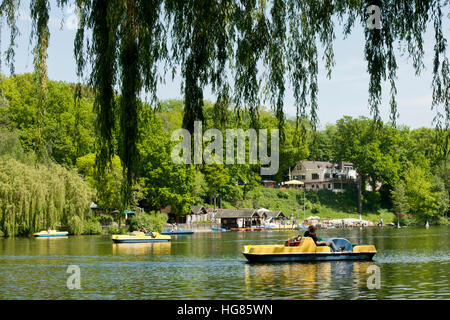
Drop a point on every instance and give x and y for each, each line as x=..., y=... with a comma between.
x=414, y=264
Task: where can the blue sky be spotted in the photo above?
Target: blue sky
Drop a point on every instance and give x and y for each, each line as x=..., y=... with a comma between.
x=344, y=94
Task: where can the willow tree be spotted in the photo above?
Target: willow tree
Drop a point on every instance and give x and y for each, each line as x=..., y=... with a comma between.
x=247, y=51
x=38, y=197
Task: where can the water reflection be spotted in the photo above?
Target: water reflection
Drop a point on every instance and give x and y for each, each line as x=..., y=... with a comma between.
x=157, y=248
x=315, y=280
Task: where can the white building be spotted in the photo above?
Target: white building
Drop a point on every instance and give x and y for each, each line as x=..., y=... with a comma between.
x=318, y=175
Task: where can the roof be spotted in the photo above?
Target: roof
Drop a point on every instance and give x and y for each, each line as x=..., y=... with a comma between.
x=294, y=182
x=236, y=213
x=198, y=209
x=310, y=165
x=273, y=214
x=166, y=209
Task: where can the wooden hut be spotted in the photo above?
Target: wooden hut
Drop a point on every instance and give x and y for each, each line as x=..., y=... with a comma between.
x=272, y=215
x=198, y=213
x=238, y=218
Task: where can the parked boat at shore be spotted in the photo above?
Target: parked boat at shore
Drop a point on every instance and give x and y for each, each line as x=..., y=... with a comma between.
x=171, y=231
x=51, y=234
x=219, y=229
x=140, y=237
x=248, y=229
x=306, y=250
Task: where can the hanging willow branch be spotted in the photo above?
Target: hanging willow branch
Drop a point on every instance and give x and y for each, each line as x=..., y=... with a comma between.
x=39, y=31
x=264, y=45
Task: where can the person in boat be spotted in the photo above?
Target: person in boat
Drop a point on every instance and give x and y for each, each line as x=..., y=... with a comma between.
x=311, y=232
x=151, y=234
x=49, y=230
x=174, y=228
x=142, y=229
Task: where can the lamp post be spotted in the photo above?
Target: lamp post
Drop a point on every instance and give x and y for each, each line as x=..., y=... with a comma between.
x=304, y=202
x=214, y=196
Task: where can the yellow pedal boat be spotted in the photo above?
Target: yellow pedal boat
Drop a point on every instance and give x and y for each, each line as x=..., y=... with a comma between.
x=307, y=250
x=140, y=237
x=50, y=234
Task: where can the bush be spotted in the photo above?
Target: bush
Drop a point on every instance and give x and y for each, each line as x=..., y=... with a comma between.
x=92, y=226
x=312, y=196
x=105, y=220
x=113, y=228
x=1, y=233
x=315, y=208
x=153, y=221
x=371, y=201
x=123, y=230
x=75, y=225
x=282, y=194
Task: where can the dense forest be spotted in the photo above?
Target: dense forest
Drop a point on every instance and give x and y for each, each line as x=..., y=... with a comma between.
x=49, y=176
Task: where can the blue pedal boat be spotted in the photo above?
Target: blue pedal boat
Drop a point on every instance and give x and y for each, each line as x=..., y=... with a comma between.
x=219, y=229
x=51, y=234
x=176, y=232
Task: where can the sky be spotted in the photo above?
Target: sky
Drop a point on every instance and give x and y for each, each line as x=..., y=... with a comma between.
x=346, y=93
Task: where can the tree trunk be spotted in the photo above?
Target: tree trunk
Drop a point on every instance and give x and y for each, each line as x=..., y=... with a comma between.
x=361, y=183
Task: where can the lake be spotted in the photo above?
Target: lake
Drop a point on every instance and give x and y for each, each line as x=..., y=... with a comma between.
x=413, y=263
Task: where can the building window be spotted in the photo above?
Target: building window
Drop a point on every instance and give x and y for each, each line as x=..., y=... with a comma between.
x=329, y=186
x=327, y=175
x=315, y=176
x=303, y=177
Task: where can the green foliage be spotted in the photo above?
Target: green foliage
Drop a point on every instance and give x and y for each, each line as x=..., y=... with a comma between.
x=399, y=199
x=282, y=194
x=75, y=225
x=113, y=229
x=315, y=208
x=38, y=197
x=128, y=40
x=108, y=186
x=10, y=145
x=165, y=183
x=199, y=191
x=342, y=201
x=56, y=127
x=372, y=201
x=371, y=147
x=422, y=199
x=151, y=221
x=380, y=152
x=441, y=194
x=92, y=226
